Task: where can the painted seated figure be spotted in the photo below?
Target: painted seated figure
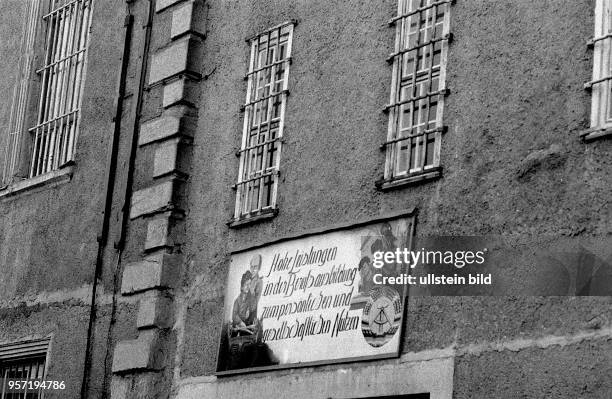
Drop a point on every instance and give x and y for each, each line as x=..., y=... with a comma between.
x=244, y=317
x=245, y=331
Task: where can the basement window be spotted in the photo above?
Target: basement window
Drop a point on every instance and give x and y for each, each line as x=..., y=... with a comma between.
x=600, y=85
x=418, y=88
x=22, y=361
x=264, y=117
x=57, y=31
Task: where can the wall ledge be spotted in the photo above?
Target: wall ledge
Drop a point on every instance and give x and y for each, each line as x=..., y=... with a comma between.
x=48, y=180
x=596, y=133
x=380, y=378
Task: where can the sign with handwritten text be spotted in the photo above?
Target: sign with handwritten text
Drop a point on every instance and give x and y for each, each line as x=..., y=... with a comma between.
x=312, y=300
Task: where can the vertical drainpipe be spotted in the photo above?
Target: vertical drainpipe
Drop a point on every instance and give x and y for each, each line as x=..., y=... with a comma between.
x=111, y=169
x=119, y=240
x=137, y=111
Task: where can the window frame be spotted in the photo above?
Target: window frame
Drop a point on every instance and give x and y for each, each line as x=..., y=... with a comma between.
x=261, y=138
x=14, y=143
x=24, y=353
x=600, y=85
x=417, y=166
x=42, y=135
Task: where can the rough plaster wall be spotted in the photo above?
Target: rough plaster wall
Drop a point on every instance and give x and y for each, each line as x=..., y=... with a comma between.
x=11, y=25
x=48, y=236
x=53, y=230
x=120, y=323
x=442, y=322
x=327, y=134
x=151, y=109
x=10, y=31
x=67, y=350
x=575, y=371
x=512, y=159
x=514, y=163
x=66, y=323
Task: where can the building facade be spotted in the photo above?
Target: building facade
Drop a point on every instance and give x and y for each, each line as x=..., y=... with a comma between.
x=146, y=144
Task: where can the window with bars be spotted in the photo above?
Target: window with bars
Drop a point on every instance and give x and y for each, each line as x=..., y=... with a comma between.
x=28, y=369
x=417, y=91
x=266, y=99
x=22, y=361
x=63, y=26
x=601, y=85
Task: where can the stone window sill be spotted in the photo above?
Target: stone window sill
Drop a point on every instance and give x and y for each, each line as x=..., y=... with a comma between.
x=48, y=180
x=596, y=133
x=410, y=179
x=253, y=218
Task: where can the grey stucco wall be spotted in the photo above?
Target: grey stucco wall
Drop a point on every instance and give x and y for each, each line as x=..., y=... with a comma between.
x=577, y=371
x=513, y=162
x=10, y=29
x=48, y=236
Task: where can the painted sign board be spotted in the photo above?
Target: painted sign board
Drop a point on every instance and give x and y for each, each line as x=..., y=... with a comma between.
x=312, y=300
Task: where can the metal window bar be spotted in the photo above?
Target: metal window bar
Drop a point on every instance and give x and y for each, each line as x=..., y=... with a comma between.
x=605, y=89
x=418, y=10
x=24, y=369
x=283, y=61
x=67, y=34
x=258, y=175
x=20, y=94
x=418, y=46
x=254, y=146
x=422, y=159
x=60, y=61
x=442, y=92
x=263, y=121
x=56, y=7
x=589, y=85
x=418, y=87
x=418, y=134
x=265, y=98
x=255, y=183
x=409, y=151
x=591, y=42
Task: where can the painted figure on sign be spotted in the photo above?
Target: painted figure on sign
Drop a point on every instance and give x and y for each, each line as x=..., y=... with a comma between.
x=256, y=285
x=242, y=315
x=366, y=281
x=246, y=347
x=387, y=243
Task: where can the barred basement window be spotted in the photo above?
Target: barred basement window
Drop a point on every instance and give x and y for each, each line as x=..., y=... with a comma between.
x=417, y=92
x=263, y=123
x=22, y=361
x=64, y=27
x=601, y=86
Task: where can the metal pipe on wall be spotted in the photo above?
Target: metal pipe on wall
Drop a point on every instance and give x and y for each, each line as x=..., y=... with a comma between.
x=111, y=171
x=119, y=241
